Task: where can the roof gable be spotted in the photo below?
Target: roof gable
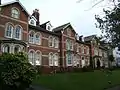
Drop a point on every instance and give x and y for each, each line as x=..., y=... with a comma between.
x=13, y=2
x=62, y=27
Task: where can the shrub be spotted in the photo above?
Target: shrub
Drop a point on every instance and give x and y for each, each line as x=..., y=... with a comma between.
x=15, y=71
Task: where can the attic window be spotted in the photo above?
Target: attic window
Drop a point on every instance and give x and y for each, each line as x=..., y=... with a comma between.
x=68, y=32
x=32, y=22
x=15, y=13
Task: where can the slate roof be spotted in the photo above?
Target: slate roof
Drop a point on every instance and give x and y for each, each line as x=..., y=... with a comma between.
x=89, y=38
x=59, y=28
x=38, y=28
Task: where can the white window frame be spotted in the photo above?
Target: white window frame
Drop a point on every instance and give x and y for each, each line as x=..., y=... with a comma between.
x=6, y=30
x=32, y=39
x=4, y=48
x=68, y=31
x=32, y=61
x=56, y=43
x=14, y=14
x=20, y=32
x=67, y=58
x=50, y=59
x=55, y=59
x=19, y=49
x=38, y=57
x=51, y=41
x=77, y=47
x=36, y=41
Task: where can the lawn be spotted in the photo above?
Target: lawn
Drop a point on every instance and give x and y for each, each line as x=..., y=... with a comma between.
x=78, y=81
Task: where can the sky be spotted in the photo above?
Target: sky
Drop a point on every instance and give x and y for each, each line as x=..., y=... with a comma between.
x=59, y=12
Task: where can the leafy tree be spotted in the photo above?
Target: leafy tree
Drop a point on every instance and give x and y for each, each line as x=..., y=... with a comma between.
x=110, y=25
x=15, y=72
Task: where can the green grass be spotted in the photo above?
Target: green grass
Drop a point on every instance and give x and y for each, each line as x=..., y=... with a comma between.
x=78, y=81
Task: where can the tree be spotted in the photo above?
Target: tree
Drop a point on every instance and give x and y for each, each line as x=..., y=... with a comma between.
x=110, y=25
x=15, y=72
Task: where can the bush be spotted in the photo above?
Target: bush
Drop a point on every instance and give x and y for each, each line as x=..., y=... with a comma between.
x=15, y=71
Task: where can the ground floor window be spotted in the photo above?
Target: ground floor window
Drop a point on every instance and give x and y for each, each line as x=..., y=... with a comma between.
x=11, y=48
x=69, y=58
x=6, y=48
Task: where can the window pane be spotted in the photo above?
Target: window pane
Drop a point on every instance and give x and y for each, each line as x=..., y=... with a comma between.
x=31, y=38
x=31, y=57
x=9, y=31
x=37, y=39
x=15, y=13
x=6, y=49
x=18, y=32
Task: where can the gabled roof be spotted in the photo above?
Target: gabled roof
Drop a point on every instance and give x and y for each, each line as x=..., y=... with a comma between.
x=89, y=38
x=59, y=28
x=16, y=1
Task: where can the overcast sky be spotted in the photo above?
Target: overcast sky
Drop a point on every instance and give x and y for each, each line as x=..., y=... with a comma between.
x=63, y=11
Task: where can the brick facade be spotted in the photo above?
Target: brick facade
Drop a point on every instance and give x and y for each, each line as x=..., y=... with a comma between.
x=80, y=52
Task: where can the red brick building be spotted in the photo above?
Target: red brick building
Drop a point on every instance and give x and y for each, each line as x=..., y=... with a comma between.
x=47, y=47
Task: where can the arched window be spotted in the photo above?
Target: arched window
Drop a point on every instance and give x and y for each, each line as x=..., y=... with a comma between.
x=68, y=44
x=55, y=59
x=6, y=48
x=37, y=39
x=18, y=32
x=15, y=13
x=69, y=58
x=50, y=41
x=31, y=37
x=9, y=30
x=56, y=43
x=38, y=58
x=17, y=49
x=51, y=59
x=31, y=57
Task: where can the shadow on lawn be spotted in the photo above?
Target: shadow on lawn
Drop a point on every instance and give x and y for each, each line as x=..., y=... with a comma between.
x=36, y=87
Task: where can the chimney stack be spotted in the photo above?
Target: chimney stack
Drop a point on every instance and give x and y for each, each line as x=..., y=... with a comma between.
x=36, y=15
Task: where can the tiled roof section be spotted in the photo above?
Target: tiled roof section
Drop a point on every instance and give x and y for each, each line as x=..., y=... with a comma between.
x=89, y=38
x=16, y=1
x=38, y=28
x=82, y=42
x=59, y=28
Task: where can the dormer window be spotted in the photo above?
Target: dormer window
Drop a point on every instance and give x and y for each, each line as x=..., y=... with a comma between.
x=15, y=13
x=32, y=22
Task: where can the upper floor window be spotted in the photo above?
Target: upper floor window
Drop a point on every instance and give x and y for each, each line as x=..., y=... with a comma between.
x=37, y=39
x=69, y=45
x=9, y=31
x=18, y=32
x=31, y=37
x=68, y=31
x=56, y=43
x=77, y=48
x=15, y=13
x=51, y=42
